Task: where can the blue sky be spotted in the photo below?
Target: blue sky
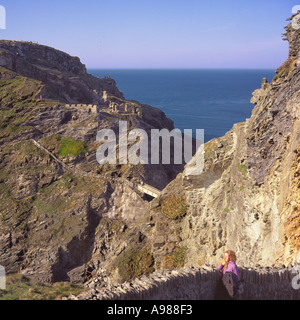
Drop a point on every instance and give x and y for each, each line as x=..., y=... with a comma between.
x=156, y=33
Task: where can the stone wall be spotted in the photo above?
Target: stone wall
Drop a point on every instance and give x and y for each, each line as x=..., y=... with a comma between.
x=123, y=108
x=113, y=107
x=199, y=284
x=90, y=108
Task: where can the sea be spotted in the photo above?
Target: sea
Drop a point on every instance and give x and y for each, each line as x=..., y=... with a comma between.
x=209, y=99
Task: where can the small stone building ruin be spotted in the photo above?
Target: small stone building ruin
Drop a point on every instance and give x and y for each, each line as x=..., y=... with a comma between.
x=89, y=108
x=113, y=106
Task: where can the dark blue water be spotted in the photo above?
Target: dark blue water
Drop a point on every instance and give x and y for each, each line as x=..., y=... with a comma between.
x=212, y=100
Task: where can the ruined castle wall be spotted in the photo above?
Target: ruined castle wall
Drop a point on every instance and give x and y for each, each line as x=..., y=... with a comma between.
x=84, y=107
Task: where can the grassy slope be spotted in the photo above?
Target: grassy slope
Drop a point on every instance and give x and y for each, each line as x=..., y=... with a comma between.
x=21, y=288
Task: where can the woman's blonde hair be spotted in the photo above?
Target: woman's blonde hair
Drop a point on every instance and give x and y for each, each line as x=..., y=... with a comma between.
x=232, y=257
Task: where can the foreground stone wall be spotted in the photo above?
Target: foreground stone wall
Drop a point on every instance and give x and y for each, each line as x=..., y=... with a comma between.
x=199, y=284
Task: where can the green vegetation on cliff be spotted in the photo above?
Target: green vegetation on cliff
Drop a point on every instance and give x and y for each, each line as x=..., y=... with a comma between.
x=71, y=147
x=174, y=207
x=175, y=260
x=19, y=287
x=20, y=102
x=133, y=263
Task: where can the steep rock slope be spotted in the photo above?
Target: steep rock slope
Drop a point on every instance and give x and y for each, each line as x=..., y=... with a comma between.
x=64, y=76
x=53, y=200
x=247, y=198
x=57, y=225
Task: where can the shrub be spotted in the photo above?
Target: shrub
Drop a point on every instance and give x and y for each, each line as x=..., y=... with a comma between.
x=174, y=207
x=15, y=128
x=175, y=260
x=282, y=73
x=133, y=263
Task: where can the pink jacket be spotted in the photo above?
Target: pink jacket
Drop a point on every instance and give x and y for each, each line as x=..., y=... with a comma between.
x=231, y=267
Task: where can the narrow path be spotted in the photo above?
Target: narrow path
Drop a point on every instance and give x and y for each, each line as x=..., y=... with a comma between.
x=144, y=188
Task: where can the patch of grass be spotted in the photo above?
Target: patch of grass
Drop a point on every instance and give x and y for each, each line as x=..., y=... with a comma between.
x=174, y=207
x=282, y=73
x=133, y=263
x=23, y=149
x=58, y=203
x=209, y=149
x=175, y=260
x=285, y=69
x=18, y=101
x=15, y=128
x=44, y=208
x=52, y=143
x=243, y=169
x=24, y=206
x=4, y=175
x=229, y=198
x=69, y=146
x=7, y=201
x=19, y=287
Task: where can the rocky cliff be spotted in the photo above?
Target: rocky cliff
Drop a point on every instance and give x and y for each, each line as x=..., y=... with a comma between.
x=59, y=224
x=55, y=197
x=64, y=76
x=247, y=198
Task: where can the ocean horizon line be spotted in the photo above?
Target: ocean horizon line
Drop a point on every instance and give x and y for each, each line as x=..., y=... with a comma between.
x=181, y=69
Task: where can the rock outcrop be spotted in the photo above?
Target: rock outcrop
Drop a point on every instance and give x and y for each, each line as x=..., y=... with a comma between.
x=64, y=76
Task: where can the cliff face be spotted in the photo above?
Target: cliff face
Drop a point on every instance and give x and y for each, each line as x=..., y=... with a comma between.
x=247, y=198
x=64, y=76
x=55, y=197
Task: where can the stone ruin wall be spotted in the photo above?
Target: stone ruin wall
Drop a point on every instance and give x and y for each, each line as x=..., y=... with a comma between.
x=113, y=107
x=124, y=108
x=90, y=108
x=199, y=284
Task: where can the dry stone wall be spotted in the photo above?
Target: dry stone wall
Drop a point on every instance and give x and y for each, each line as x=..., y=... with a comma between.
x=199, y=284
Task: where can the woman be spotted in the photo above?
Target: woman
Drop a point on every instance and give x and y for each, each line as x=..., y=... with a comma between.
x=227, y=287
x=228, y=265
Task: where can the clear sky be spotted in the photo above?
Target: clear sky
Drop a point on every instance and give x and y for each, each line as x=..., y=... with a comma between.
x=156, y=33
